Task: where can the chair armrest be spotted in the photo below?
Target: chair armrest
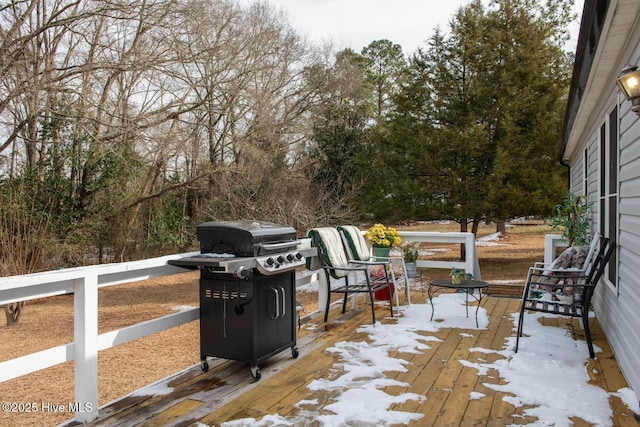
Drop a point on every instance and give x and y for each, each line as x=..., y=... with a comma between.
x=326, y=267
x=389, y=258
x=540, y=264
x=544, y=271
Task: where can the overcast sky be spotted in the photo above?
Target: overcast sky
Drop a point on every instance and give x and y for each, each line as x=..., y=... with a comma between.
x=356, y=23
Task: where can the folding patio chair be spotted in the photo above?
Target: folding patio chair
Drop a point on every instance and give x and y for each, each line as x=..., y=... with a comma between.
x=566, y=291
x=359, y=253
x=336, y=265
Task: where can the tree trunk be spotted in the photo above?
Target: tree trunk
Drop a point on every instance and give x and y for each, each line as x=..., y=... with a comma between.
x=501, y=226
x=475, y=227
x=464, y=227
x=13, y=311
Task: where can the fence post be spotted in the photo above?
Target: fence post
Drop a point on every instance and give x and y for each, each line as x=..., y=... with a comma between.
x=471, y=260
x=551, y=241
x=85, y=304
x=323, y=290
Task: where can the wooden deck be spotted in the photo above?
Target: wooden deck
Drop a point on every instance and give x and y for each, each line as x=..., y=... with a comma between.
x=227, y=391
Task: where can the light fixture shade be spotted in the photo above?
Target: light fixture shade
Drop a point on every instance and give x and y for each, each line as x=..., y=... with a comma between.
x=629, y=81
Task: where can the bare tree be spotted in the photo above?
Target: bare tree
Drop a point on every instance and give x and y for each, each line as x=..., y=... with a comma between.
x=116, y=113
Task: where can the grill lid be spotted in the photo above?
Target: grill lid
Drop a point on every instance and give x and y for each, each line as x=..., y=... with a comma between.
x=245, y=238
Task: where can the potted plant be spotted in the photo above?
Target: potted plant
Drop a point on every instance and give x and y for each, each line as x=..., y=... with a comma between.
x=382, y=239
x=457, y=275
x=410, y=255
x=572, y=216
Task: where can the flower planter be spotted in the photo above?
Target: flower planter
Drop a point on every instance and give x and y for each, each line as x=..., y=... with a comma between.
x=412, y=270
x=381, y=252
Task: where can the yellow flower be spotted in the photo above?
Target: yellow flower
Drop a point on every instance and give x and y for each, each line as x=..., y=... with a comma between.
x=382, y=237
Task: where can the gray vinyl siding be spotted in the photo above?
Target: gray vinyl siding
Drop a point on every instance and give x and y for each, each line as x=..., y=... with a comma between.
x=617, y=307
x=594, y=162
x=577, y=174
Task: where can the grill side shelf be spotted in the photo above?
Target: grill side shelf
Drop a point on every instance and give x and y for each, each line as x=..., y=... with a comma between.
x=226, y=265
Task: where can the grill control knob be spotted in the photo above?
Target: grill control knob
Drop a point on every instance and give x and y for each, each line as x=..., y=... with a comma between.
x=269, y=261
x=290, y=257
x=280, y=259
x=298, y=256
x=242, y=273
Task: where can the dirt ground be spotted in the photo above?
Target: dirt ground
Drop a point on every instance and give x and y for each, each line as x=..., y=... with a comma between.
x=49, y=322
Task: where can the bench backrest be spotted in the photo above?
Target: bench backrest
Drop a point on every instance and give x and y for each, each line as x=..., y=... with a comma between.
x=596, y=268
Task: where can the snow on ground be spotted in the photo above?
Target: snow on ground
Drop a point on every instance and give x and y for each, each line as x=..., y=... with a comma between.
x=548, y=373
x=490, y=240
x=181, y=308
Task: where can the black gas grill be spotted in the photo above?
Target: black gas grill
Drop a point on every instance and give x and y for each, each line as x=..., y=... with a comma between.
x=247, y=290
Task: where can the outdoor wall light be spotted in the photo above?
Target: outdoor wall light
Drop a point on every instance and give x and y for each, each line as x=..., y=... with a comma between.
x=629, y=83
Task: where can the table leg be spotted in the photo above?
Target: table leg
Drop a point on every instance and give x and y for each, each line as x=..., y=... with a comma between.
x=478, y=307
x=430, y=294
x=466, y=300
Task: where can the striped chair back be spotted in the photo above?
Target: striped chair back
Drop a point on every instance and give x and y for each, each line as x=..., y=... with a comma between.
x=355, y=243
x=330, y=248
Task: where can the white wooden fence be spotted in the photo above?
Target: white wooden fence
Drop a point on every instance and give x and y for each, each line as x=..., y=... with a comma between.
x=84, y=282
x=469, y=264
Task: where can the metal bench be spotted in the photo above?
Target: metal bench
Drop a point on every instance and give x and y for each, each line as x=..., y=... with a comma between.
x=568, y=291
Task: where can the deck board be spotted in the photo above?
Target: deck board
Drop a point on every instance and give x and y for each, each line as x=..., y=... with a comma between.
x=227, y=392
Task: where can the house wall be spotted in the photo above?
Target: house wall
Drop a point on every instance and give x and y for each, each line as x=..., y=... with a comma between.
x=617, y=305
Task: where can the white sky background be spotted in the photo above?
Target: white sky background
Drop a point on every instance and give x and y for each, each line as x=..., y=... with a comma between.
x=356, y=23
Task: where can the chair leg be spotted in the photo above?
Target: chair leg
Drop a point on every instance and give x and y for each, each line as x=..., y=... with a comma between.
x=525, y=294
x=391, y=298
x=520, y=321
x=371, y=300
x=587, y=333
x=326, y=308
x=406, y=283
x=407, y=291
x=395, y=290
x=346, y=294
x=373, y=308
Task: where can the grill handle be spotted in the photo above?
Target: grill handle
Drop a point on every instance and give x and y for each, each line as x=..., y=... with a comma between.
x=284, y=303
x=279, y=302
x=278, y=246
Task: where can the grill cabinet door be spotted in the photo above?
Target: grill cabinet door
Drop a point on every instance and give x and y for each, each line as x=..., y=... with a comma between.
x=275, y=328
x=246, y=320
x=223, y=332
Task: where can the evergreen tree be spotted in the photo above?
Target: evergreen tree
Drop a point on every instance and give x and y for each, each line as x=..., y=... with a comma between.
x=475, y=125
x=530, y=75
x=384, y=63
